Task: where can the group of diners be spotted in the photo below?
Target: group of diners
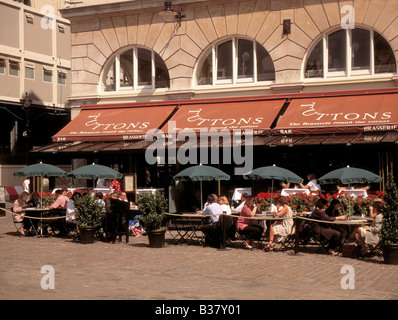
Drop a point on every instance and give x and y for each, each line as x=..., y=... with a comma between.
x=253, y=230
x=62, y=202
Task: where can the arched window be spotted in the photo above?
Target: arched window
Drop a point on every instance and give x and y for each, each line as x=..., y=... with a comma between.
x=134, y=69
x=235, y=61
x=348, y=53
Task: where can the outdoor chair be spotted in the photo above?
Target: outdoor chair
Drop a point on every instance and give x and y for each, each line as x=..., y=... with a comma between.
x=57, y=225
x=17, y=224
x=116, y=221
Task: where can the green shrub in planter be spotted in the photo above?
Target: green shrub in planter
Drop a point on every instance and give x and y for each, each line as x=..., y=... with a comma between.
x=389, y=231
x=152, y=208
x=89, y=213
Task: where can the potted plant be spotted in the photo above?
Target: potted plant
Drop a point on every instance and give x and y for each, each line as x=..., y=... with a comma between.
x=152, y=207
x=389, y=231
x=89, y=214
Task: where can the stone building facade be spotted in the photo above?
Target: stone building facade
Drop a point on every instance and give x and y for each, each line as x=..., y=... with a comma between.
x=99, y=31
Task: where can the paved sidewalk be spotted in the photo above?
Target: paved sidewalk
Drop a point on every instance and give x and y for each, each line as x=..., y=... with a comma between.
x=135, y=271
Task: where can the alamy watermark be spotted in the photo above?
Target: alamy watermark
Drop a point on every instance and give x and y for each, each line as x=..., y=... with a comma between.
x=47, y=281
x=348, y=280
x=232, y=147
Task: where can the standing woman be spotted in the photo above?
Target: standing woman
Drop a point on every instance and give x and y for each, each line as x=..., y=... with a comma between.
x=283, y=228
x=312, y=185
x=246, y=226
x=19, y=205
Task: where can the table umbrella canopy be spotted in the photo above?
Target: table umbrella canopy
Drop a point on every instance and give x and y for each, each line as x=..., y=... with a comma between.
x=40, y=170
x=94, y=171
x=273, y=172
x=349, y=175
x=201, y=173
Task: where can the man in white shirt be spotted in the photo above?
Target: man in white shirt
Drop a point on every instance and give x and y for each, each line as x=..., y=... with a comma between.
x=212, y=208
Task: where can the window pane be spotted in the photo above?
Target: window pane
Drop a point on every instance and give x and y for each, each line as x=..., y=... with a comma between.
x=224, y=61
x=245, y=58
x=162, y=79
x=205, y=75
x=314, y=67
x=47, y=75
x=2, y=66
x=29, y=72
x=265, y=66
x=384, y=56
x=360, y=49
x=109, y=78
x=144, y=67
x=126, y=69
x=13, y=69
x=61, y=77
x=337, y=51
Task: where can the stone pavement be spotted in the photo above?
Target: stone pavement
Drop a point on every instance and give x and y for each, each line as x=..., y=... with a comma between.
x=135, y=271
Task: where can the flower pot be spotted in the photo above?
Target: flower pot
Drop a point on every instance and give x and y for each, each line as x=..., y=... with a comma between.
x=156, y=238
x=87, y=234
x=390, y=253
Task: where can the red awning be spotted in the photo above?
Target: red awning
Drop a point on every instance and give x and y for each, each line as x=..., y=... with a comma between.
x=114, y=124
x=341, y=114
x=236, y=115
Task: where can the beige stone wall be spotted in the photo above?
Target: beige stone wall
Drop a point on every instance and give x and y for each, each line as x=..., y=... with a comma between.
x=95, y=38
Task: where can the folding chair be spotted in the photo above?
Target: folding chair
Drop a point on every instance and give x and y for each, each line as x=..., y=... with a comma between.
x=17, y=224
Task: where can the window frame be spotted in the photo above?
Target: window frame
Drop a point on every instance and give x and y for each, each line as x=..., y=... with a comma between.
x=348, y=72
x=235, y=80
x=115, y=59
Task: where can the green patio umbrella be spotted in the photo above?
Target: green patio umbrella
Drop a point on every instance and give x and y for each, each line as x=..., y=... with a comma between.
x=201, y=173
x=94, y=171
x=349, y=175
x=39, y=170
x=273, y=173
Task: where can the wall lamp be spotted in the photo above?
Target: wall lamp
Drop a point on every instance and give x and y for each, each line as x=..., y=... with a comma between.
x=169, y=12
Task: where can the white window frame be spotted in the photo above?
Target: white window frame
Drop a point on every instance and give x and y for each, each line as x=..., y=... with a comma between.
x=48, y=69
x=234, y=53
x=29, y=65
x=135, y=87
x=13, y=63
x=348, y=73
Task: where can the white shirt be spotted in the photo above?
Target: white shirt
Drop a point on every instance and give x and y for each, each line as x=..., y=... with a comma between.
x=226, y=208
x=214, y=210
x=314, y=186
x=70, y=210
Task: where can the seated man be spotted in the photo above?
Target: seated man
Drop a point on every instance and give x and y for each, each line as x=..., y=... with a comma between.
x=60, y=200
x=214, y=210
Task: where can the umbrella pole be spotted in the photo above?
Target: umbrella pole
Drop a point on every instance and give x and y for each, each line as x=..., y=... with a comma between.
x=272, y=195
x=201, y=197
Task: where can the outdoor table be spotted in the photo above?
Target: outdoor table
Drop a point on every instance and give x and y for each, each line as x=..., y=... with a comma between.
x=350, y=222
x=290, y=191
x=226, y=223
x=186, y=226
x=355, y=192
x=37, y=213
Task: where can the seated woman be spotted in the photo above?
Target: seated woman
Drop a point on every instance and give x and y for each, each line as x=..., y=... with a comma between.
x=369, y=235
x=18, y=208
x=34, y=200
x=281, y=229
x=246, y=226
x=224, y=203
x=333, y=236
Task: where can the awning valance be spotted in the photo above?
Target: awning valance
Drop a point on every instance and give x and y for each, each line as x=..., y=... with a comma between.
x=114, y=124
x=340, y=114
x=257, y=115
